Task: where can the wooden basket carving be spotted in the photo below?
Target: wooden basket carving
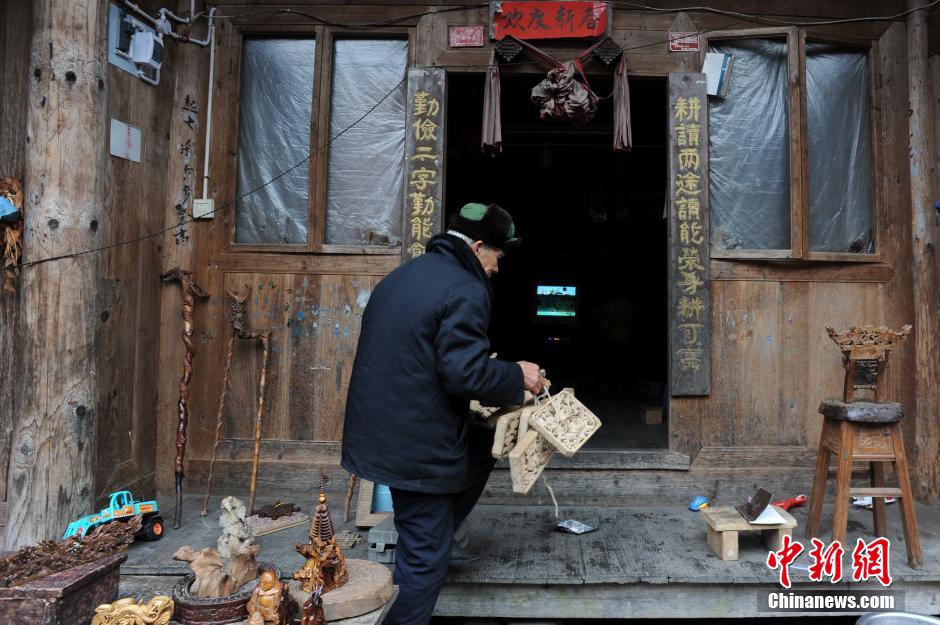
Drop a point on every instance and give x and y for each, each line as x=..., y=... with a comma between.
x=565, y=422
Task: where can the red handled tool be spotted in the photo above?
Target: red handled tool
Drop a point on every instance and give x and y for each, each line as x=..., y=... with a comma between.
x=792, y=502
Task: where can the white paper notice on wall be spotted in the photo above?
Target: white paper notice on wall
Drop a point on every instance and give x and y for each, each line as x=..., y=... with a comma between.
x=717, y=70
x=125, y=141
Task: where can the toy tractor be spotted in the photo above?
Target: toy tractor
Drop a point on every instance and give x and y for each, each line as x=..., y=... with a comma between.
x=122, y=507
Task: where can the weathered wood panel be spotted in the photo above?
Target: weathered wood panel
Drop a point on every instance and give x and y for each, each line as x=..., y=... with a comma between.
x=129, y=301
x=52, y=469
x=16, y=26
x=314, y=321
x=925, y=265
x=188, y=81
x=773, y=361
x=892, y=87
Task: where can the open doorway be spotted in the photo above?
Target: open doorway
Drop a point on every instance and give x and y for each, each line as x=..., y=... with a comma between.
x=585, y=295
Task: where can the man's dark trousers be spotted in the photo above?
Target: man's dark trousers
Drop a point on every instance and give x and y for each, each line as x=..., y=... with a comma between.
x=425, y=523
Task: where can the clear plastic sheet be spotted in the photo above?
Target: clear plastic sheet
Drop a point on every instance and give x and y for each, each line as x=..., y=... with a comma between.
x=841, y=176
x=275, y=110
x=364, y=188
x=749, y=149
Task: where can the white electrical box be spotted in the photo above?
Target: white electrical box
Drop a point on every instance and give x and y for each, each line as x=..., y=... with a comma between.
x=203, y=209
x=120, y=31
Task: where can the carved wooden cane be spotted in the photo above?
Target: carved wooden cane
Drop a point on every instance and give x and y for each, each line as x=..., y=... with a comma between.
x=189, y=290
x=264, y=338
x=237, y=304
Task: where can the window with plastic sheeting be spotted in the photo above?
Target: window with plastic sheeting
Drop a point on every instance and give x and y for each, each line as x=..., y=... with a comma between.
x=749, y=149
x=841, y=165
x=792, y=168
x=364, y=184
x=274, y=125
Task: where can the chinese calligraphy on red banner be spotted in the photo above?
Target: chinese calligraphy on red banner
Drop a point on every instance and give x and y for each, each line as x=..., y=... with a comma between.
x=424, y=147
x=690, y=342
x=548, y=20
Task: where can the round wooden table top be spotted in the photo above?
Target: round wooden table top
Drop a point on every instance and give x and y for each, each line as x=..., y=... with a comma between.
x=369, y=588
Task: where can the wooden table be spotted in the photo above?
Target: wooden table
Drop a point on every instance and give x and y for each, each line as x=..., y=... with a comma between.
x=725, y=523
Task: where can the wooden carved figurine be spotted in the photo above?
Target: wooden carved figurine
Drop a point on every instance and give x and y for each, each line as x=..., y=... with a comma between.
x=326, y=565
x=157, y=611
x=268, y=602
x=865, y=351
x=313, y=609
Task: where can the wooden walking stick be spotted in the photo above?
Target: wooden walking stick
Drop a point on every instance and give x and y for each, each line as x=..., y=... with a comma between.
x=264, y=338
x=237, y=304
x=190, y=290
x=349, y=495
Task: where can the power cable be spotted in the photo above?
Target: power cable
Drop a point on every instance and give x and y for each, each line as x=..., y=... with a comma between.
x=223, y=206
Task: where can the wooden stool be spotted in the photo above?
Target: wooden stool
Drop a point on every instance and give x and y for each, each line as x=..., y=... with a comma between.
x=858, y=432
x=725, y=523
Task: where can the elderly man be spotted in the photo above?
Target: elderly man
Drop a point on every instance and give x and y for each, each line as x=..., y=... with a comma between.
x=423, y=355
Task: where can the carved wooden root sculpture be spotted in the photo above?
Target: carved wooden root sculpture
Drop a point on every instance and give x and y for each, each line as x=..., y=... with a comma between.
x=217, y=576
x=190, y=290
x=237, y=304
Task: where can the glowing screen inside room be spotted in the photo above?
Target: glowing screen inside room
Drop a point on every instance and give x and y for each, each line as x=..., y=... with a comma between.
x=556, y=301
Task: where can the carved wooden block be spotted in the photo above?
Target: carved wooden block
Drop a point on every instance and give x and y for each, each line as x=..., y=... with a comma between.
x=507, y=432
x=527, y=460
x=565, y=422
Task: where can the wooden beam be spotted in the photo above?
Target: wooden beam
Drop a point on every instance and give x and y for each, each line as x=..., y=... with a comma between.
x=924, y=266
x=52, y=466
x=16, y=23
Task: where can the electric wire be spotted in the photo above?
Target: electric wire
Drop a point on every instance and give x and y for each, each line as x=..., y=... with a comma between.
x=740, y=17
x=191, y=219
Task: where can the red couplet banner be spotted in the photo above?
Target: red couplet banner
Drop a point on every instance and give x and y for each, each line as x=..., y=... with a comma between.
x=549, y=20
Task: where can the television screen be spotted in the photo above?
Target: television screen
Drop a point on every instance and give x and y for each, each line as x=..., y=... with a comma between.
x=556, y=301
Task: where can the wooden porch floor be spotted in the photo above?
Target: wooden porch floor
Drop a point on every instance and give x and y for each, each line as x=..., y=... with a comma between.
x=642, y=562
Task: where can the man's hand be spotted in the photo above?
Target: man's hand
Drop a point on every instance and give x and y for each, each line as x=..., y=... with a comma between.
x=532, y=376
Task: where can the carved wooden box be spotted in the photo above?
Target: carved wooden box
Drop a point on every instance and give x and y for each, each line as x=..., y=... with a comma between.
x=63, y=598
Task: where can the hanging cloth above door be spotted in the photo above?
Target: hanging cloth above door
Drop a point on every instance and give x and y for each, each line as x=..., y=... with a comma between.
x=560, y=96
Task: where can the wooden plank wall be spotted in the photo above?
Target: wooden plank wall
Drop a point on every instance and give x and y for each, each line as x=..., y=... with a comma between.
x=16, y=27
x=129, y=306
x=772, y=360
x=771, y=354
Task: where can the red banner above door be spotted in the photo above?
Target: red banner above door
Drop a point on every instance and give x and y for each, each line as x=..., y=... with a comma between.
x=548, y=20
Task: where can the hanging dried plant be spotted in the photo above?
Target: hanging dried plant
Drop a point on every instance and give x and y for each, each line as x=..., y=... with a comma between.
x=12, y=190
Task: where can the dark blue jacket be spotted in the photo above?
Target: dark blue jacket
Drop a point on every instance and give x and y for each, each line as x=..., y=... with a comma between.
x=423, y=355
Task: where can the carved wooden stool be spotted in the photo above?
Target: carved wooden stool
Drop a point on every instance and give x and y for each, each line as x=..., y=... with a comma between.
x=864, y=431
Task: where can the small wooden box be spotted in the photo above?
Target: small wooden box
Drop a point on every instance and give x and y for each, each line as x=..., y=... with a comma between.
x=652, y=415
x=725, y=523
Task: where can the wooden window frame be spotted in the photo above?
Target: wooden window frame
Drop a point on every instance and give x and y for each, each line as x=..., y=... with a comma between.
x=318, y=164
x=796, y=39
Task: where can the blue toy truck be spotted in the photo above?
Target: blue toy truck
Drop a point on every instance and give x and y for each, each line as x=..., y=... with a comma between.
x=121, y=507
